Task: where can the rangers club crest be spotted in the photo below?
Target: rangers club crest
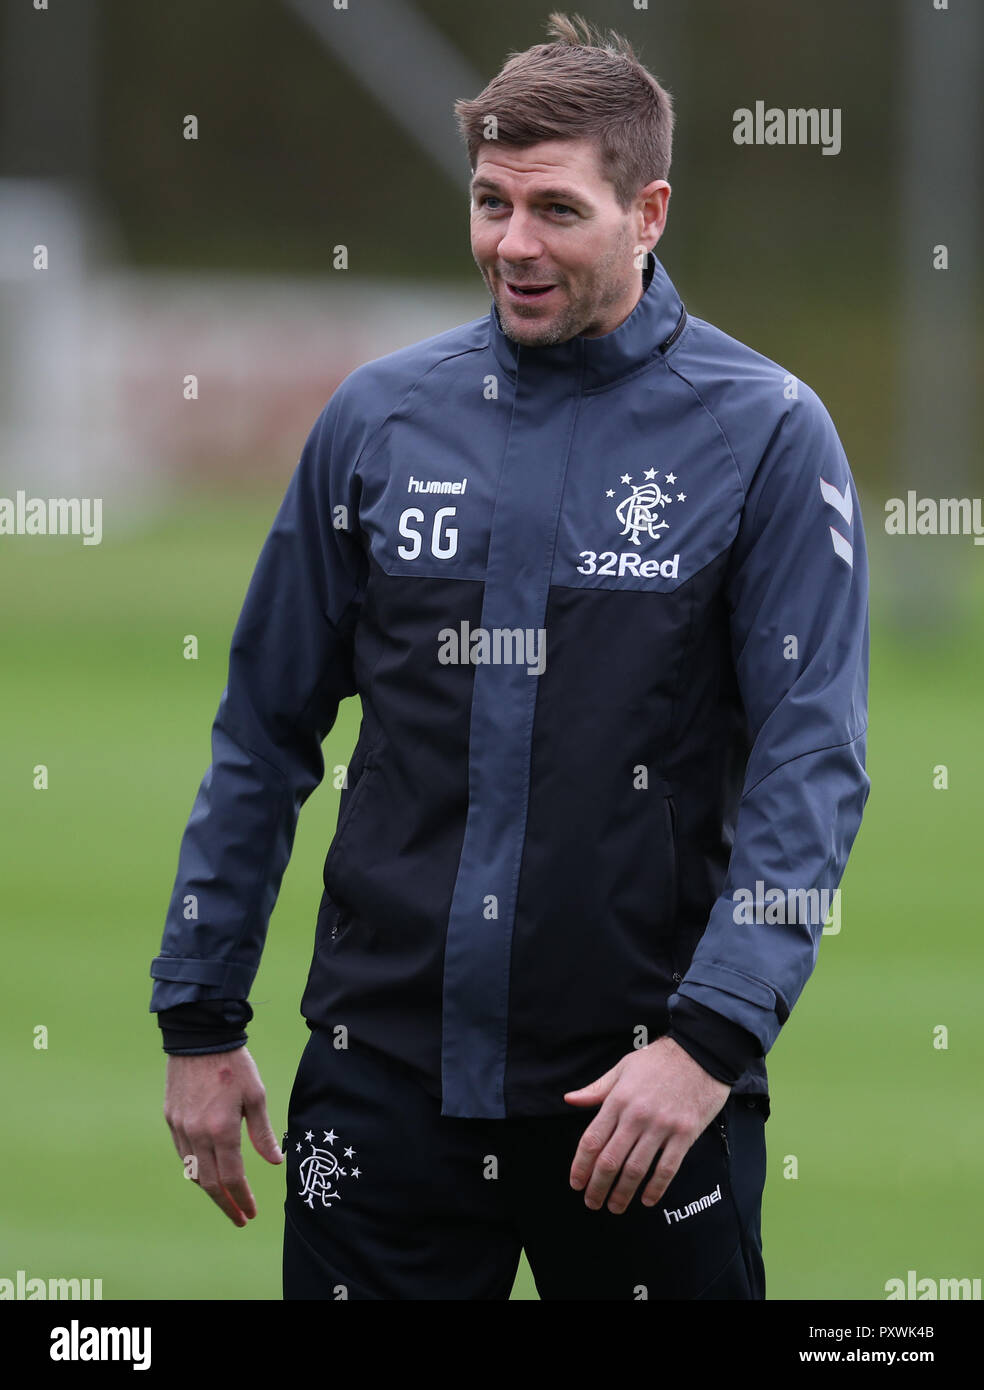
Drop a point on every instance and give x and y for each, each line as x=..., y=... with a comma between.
x=323, y=1170
x=642, y=511
x=640, y=508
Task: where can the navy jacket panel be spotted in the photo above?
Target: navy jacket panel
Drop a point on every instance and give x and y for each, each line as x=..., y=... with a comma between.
x=292, y=660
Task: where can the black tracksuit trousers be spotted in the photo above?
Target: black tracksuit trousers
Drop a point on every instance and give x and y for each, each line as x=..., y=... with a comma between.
x=388, y=1199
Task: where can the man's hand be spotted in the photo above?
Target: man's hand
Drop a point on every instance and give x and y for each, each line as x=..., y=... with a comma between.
x=205, y=1101
x=652, y=1099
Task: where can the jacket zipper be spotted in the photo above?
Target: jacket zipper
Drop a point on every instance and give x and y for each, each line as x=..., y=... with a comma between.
x=675, y=883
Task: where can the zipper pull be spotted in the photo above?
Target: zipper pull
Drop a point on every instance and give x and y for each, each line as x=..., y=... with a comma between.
x=723, y=1131
x=283, y=1143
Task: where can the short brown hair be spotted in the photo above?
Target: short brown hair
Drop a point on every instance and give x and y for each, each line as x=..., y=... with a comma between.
x=583, y=85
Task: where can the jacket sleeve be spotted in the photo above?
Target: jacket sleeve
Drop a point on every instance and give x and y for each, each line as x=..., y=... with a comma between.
x=290, y=665
x=797, y=591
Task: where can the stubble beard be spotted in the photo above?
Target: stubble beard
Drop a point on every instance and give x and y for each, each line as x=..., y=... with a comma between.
x=604, y=289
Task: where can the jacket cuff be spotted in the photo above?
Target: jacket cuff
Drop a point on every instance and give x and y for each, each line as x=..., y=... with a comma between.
x=207, y=1025
x=721, y=1047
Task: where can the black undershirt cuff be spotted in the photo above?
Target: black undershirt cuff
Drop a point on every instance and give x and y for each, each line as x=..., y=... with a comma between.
x=207, y=1025
x=721, y=1047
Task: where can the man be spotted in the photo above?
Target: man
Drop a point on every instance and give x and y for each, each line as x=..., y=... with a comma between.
x=597, y=573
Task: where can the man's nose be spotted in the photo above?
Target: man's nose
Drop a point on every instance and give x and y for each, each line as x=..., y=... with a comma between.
x=520, y=241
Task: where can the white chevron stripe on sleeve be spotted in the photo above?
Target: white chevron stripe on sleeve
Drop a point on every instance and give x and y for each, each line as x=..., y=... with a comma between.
x=843, y=547
x=841, y=502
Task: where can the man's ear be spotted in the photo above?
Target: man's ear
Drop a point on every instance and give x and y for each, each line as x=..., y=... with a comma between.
x=652, y=206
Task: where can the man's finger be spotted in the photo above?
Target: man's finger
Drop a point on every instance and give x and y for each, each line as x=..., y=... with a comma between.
x=609, y=1162
x=634, y=1169
x=593, y=1140
x=260, y=1130
x=232, y=1175
x=596, y=1091
x=189, y=1158
x=181, y=1141
x=674, y=1152
x=208, y=1181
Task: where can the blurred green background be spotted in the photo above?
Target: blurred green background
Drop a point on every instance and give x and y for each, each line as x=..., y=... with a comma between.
x=887, y=1130
x=807, y=259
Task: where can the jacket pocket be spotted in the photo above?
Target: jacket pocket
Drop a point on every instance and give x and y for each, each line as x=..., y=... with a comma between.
x=355, y=800
x=331, y=920
x=669, y=888
x=340, y=924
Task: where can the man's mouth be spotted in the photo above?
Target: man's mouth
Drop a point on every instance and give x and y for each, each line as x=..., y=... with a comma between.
x=528, y=292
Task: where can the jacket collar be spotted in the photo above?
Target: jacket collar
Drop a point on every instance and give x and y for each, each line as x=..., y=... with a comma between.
x=655, y=322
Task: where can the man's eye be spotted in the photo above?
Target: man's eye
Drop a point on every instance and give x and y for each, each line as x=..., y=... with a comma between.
x=487, y=198
x=562, y=206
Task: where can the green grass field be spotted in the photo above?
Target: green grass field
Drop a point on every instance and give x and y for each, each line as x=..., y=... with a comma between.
x=887, y=1130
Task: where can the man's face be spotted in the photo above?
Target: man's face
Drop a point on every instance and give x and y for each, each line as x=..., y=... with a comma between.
x=555, y=249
